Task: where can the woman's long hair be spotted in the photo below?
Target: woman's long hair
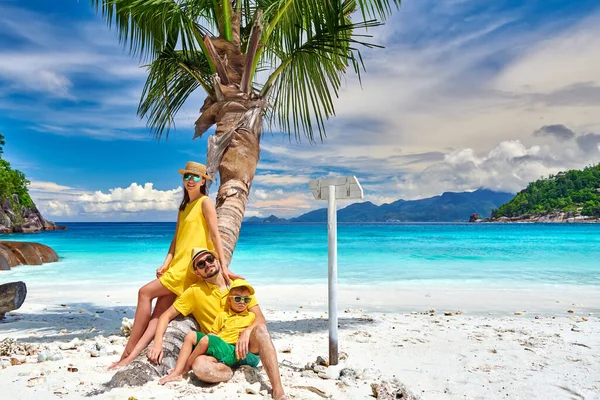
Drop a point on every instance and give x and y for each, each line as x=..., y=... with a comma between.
x=186, y=196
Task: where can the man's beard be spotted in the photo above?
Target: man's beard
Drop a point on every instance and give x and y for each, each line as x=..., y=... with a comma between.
x=210, y=275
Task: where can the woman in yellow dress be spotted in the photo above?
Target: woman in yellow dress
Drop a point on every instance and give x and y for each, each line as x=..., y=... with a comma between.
x=196, y=227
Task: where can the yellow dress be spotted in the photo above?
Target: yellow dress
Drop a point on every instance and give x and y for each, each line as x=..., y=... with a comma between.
x=192, y=232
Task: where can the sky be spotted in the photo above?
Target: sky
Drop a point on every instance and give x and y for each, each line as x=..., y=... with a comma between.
x=466, y=94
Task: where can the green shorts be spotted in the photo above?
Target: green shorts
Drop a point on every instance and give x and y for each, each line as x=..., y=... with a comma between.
x=225, y=352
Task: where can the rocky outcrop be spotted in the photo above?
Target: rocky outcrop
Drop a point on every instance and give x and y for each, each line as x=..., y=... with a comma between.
x=12, y=295
x=546, y=217
x=28, y=253
x=23, y=219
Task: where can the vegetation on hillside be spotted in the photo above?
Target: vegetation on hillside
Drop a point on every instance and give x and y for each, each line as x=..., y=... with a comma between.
x=566, y=191
x=13, y=181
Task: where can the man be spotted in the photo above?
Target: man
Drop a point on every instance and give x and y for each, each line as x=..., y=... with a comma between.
x=205, y=300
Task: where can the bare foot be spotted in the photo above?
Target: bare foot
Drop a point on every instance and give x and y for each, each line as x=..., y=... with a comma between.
x=279, y=396
x=170, y=378
x=119, y=364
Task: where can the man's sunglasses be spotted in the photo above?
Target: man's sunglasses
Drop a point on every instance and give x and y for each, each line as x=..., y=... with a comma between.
x=187, y=177
x=242, y=299
x=204, y=263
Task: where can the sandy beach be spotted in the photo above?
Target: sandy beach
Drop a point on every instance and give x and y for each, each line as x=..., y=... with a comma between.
x=516, y=344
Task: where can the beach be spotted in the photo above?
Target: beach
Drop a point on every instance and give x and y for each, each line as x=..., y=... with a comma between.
x=545, y=347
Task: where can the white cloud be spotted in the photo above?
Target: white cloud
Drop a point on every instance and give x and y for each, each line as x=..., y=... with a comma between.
x=134, y=198
x=508, y=167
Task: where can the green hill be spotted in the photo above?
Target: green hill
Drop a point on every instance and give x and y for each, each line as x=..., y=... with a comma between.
x=575, y=191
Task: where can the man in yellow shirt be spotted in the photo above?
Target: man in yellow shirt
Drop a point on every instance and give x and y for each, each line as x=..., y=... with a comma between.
x=220, y=343
x=205, y=300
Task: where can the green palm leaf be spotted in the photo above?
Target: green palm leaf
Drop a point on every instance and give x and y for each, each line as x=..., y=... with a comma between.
x=172, y=77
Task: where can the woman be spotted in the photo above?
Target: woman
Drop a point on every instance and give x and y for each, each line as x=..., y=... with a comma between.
x=196, y=227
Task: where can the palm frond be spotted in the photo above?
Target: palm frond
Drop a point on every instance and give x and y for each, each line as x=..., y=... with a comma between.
x=148, y=26
x=312, y=43
x=172, y=77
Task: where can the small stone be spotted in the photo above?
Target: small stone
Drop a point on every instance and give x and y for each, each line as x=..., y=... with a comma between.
x=72, y=369
x=344, y=356
x=254, y=388
x=319, y=368
x=308, y=374
x=448, y=313
x=518, y=312
x=584, y=318
x=286, y=349
x=570, y=311
x=537, y=317
x=72, y=345
x=322, y=361
x=38, y=380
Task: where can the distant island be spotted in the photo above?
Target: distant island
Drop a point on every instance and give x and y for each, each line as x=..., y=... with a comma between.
x=572, y=196
x=448, y=207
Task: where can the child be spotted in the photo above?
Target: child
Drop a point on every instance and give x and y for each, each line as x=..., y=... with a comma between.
x=225, y=333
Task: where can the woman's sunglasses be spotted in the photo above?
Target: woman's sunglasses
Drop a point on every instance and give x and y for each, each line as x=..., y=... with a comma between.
x=242, y=299
x=204, y=263
x=187, y=177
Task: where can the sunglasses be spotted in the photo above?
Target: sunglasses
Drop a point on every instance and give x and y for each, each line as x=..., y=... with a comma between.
x=204, y=263
x=187, y=177
x=242, y=299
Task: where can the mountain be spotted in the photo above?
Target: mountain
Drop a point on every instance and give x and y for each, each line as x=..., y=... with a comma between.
x=448, y=207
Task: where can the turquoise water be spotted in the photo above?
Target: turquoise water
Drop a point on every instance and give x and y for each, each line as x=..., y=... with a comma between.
x=454, y=254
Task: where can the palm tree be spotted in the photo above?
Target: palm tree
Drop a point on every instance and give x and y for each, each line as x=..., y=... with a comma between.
x=303, y=47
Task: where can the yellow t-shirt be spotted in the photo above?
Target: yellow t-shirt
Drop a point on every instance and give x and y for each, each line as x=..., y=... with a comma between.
x=204, y=301
x=229, y=324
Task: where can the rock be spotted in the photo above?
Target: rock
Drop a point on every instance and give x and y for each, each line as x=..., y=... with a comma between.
x=308, y=374
x=322, y=361
x=126, y=326
x=286, y=349
x=72, y=345
x=320, y=368
x=331, y=372
x=348, y=373
x=570, y=311
x=38, y=380
x=448, y=313
x=12, y=295
x=519, y=312
x=474, y=218
x=391, y=390
x=254, y=388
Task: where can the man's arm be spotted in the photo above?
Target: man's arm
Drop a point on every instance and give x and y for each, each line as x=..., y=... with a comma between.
x=241, y=347
x=155, y=353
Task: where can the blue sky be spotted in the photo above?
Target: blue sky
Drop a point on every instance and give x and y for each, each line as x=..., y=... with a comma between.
x=466, y=94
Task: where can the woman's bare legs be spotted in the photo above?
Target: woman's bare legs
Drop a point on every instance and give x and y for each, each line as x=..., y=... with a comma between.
x=146, y=294
x=162, y=303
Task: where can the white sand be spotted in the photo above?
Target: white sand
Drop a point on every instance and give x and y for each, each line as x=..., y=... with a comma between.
x=486, y=352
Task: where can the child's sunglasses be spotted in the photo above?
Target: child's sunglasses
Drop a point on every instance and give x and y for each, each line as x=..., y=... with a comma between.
x=187, y=177
x=242, y=299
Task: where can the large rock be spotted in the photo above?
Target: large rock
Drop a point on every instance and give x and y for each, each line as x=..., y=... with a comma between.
x=12, y=295
x=28, y=253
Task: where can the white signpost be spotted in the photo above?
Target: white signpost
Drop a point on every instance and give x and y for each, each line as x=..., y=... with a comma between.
x=332, y=189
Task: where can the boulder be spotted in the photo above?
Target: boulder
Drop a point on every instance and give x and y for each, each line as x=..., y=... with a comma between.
x=12, y=295
x=474, y=218
x=28, y=253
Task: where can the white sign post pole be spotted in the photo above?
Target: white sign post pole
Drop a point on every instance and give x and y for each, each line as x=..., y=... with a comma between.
x=332, y=244
x=337, y=188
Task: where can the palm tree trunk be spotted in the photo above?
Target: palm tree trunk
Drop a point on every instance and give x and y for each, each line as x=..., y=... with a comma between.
x=237, y=169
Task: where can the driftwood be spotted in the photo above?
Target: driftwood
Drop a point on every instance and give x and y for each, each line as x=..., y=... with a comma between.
x=12, y=295
x=141, y=370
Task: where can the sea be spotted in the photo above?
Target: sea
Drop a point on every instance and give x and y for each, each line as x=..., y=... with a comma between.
x=454, y=254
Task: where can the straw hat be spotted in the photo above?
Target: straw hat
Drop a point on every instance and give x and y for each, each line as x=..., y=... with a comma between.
x=194, y=168
x=197, y=251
